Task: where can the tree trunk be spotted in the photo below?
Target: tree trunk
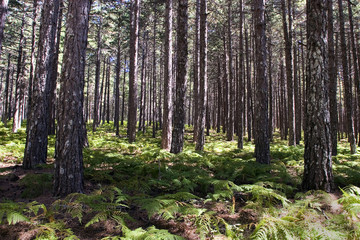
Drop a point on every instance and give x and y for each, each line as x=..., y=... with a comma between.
x=182, y=60
x=196, y=64
x=317, y=156
x=131, y=130
x=154, y=67
x=203, y=77
x=68, y=177
x=332, y=81
x=248, y=89
x=355, y=60
x=143, y=83
x=271, y=101
x=33, y=57
x=123, y=94
x=262, y=147
x=108, y=72
x=19, y=92
x=230, y=128
x=37, y=131
x=7, y=86
x=347, y=82
x=54, y=73
x=97, y=95
x=3, y=15
x=289, y=72
x=168, y=79
x=117, y=87
x=241, y=89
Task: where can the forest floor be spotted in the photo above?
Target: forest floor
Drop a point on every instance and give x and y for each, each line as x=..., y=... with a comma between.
x=138, y=191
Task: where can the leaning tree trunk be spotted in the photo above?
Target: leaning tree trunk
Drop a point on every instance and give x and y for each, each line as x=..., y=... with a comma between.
x=3, y=15
x=181, y=68
x=37, y=131
x=168, y=79
x=131, y=131
x=68, y=176
x=262, y=146
x=317, y=156
x=203, y=77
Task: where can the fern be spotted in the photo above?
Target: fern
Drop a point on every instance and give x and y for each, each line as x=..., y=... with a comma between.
x=351, y=203
x=13, y=213
x=150, y=233
x=106, y=204
x=261, y=195
x=274, y=228
x=55, y=230
x=15, y=217
x=167, y=205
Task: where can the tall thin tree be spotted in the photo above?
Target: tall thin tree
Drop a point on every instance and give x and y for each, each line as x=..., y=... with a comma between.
x=262, y=146
x=203, y=77
x=132, y=112
x=168, y=79
x=347, y=82
x=181, y=78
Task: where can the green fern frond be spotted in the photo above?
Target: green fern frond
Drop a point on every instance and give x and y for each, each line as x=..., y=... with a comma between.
x=150, y=233
x=273, y=228
x=101, y=216
x=15, y=217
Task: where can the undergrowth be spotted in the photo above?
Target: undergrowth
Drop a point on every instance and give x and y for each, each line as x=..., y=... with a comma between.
x=188, y=188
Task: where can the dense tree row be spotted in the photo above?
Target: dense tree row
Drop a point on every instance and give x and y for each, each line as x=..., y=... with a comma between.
x=246, y=68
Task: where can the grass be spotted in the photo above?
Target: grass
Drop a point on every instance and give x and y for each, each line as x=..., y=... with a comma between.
x=187, y=186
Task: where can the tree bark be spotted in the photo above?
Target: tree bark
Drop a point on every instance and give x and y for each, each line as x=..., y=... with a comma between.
x=289, y=72
x=181, y=78
x=196, y=64
x=37, y=131
x=168, y=79
x=230, y=128
x=68, y=176
x=203, y=77
x=332, y=81
x=7, y=86
x=54, y=73
x=123, y=95
x=355, y=61
x=347, y=82
x=19, y=92
x=3, y=15
x=262, y=146
x=132, y=113
x=248, y=89
x=317, y=155
x=97, y=95
x=117, y=87
x=241, y=82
